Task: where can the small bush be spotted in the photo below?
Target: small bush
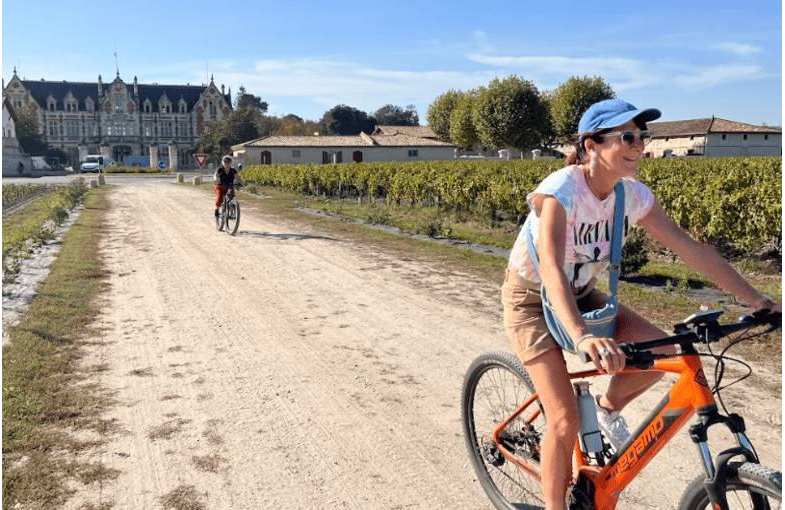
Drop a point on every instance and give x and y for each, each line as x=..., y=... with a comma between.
x=635, y=254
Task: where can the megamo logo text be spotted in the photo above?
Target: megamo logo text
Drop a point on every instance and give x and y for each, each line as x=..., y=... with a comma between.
x=638, y=448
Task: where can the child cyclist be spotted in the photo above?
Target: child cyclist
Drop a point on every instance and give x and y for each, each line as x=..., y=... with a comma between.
x=570, y=222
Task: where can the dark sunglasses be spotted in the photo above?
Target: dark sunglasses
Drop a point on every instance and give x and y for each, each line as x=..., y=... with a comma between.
x=630, y=137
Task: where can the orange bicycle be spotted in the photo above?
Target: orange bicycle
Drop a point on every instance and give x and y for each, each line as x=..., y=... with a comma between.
x=503, y=423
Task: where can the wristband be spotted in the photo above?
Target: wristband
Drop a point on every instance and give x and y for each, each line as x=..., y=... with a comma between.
x=582, y=338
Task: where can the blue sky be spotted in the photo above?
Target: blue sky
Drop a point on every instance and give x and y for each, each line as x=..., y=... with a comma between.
x=690, y=59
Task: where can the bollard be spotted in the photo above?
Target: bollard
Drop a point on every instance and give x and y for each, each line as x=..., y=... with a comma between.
x=93, y=183
x=180, y=178
x=101, y=180
x=197, y=181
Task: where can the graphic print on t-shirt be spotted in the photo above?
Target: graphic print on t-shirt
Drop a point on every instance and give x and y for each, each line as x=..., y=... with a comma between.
x=592, y=242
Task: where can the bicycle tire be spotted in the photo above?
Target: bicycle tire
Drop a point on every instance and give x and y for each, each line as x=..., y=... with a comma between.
x=762, y=485
x=232, y=217
x=510, y=488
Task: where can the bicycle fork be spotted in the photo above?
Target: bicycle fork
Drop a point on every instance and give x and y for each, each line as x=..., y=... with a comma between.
x=717, y=472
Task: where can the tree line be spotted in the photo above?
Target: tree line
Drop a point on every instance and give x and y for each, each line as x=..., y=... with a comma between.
x=249, y=120
x=512, y=113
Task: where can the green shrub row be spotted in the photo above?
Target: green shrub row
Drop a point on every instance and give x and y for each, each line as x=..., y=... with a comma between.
x=120, y=169
x=733, y=203
x=37, y=221
x=15, y=193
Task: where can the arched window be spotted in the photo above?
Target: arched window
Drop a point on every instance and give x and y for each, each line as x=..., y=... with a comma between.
x=51, y=104
x=148, y=106
x=183, y=107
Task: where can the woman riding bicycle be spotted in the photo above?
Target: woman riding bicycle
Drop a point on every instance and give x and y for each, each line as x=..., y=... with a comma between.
x=570, y=222
x=224, y=180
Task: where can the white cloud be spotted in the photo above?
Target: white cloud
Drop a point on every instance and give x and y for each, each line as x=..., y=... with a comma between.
x=740, y=49
x=622, y=73
x=716, y=75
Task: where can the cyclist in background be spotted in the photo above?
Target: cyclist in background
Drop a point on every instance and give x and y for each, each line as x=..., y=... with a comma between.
x=224, y=180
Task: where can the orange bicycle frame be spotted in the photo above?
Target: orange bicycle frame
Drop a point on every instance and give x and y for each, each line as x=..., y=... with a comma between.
x=689, y=394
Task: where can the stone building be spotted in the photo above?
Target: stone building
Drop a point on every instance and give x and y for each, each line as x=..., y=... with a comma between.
x=712, y=137
x=135, y=123
x=341, y=149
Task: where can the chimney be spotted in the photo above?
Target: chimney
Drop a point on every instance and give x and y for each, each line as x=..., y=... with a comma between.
x=223, y=91
x=100, y=86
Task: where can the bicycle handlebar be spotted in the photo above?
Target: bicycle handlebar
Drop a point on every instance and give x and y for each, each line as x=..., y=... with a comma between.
x=639, y=354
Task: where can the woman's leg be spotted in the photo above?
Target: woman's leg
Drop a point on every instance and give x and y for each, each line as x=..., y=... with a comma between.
x=549, y=375
x=624, y=388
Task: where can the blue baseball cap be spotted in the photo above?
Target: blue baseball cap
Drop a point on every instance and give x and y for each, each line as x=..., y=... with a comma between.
x=611, y=113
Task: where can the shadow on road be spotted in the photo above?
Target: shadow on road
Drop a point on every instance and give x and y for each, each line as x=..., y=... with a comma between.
x=296, y=237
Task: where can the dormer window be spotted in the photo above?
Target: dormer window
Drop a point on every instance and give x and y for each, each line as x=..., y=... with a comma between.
x=89, y=105
x=51, y=104
x=71, y=106
x=183, y=107
x=148, y=106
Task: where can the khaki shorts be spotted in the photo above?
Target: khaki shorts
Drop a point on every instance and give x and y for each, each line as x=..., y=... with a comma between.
x=524, y=321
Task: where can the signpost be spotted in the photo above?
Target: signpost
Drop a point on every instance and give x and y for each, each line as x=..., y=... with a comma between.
x=201, y=158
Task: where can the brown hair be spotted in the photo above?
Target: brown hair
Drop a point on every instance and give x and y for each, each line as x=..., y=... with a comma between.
x=579, y=154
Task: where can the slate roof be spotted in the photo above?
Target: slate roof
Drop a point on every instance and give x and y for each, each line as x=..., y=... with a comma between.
x=701, y=127
x=418, y=131
x=40, y=90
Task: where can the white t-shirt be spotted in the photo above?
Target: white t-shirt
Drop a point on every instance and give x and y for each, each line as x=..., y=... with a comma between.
x=589, y=224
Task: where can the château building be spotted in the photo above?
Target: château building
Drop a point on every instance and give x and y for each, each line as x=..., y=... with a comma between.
x=136, y=123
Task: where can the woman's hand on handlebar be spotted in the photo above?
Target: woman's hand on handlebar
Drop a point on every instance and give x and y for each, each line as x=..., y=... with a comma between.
x=604, y=353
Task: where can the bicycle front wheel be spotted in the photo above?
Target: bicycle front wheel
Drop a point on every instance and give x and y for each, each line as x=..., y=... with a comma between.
x=749, y=486
x=232, y=217
x=493, y=389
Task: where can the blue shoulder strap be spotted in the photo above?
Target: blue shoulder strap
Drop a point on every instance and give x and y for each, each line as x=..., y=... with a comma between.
x=614, y=269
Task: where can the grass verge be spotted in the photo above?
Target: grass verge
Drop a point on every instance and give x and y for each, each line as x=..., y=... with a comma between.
x=45, y=398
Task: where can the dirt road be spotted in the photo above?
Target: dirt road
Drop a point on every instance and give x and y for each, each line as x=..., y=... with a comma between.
x=283, y=368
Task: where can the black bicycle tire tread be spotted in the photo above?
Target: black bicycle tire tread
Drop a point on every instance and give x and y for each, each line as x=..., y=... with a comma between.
x=237, y=220
x=745, y=474
x=510, y=361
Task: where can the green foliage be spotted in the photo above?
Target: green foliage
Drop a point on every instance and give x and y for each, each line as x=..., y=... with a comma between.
x=346, y=120
x=510, y=113
x=635, y=253
x=123, y=169
x=462, y=130
x=249, y=101
x=439, y=113
x=14, y=193
x=27, y=131
x=573, y=97
x=392, y=115
x=732, y=203
x=35, y=221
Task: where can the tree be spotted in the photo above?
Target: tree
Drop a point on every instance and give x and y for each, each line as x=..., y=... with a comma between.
x=346, y=120
x=249, y=101
x=462, y=131
x=571, y=99
x=509, y=112
x=26, y=126
x=292, y=125
x=439, y=113
x=392, y=115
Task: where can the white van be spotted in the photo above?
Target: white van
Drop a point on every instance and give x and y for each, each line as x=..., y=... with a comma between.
x=95, y=163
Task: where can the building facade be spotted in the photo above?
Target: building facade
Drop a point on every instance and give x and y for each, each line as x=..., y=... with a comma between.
x=714, y=137
x=135, y=124
x=341, y=149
